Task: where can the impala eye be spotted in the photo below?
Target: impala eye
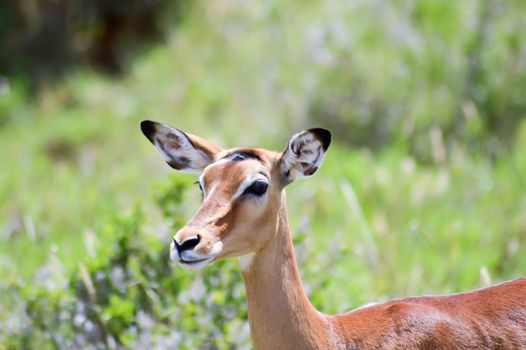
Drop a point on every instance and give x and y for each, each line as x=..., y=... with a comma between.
x=258, y=188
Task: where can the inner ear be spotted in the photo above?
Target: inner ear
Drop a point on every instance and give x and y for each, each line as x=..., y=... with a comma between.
x=304, y=154
x=182, y=151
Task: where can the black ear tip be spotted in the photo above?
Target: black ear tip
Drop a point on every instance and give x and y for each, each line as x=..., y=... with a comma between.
x=148, y=128
x=323, y=135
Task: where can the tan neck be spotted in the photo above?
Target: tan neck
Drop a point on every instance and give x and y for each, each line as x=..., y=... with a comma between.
x=279, y=312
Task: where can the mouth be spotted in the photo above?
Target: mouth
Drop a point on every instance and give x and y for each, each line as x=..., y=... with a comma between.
x=191, y=262
x=191, y=259
x=194, y=264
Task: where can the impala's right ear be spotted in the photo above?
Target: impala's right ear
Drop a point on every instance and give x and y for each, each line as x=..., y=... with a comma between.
x=182, y=151
x=304, y=154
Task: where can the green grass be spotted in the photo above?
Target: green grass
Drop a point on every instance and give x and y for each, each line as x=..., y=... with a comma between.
x=412, y=229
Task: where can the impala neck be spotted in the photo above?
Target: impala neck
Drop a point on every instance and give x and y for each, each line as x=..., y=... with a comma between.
x=279, y=312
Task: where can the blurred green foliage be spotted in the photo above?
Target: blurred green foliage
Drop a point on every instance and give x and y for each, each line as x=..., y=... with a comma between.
x=425, y=73
x=129, y=296
x=423, y=190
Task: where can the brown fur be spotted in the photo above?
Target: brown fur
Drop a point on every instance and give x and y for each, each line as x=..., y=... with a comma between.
x=280, y=314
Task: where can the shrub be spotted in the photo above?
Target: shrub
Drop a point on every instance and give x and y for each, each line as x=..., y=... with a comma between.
x=130, y=296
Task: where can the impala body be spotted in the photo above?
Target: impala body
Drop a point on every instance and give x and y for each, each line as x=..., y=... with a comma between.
x=243, y=214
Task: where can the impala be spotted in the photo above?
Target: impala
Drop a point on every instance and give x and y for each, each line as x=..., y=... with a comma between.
x=243, y=214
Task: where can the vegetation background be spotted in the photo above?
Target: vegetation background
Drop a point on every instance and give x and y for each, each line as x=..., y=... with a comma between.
x=423, y=191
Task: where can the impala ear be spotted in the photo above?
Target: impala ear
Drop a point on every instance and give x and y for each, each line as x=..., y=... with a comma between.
x=182, y=151
x=304, y=154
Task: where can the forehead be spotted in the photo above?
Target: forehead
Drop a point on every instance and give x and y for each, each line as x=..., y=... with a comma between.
x=243, y=153
x=235, y=164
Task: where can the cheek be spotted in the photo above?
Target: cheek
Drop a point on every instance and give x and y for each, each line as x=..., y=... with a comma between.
x=258, y=221
x=248, y=227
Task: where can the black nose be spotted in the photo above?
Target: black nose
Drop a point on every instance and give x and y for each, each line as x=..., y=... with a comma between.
x=188, y=244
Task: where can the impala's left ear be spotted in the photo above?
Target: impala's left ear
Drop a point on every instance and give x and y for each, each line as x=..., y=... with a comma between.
x=304, y=154
x=182, y=151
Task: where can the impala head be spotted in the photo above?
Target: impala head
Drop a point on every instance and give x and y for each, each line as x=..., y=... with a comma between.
x=241, y=189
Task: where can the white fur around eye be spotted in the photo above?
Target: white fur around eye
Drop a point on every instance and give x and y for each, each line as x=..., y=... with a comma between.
x=247, y=182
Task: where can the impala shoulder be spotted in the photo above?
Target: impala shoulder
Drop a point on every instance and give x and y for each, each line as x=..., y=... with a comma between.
x=408, y=317
x=399, y=310
x=396, y=324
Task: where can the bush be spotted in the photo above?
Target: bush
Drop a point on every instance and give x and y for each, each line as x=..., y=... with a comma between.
x=130, y=296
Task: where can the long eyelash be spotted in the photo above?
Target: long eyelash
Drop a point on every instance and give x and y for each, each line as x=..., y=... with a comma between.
x=200, y=188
